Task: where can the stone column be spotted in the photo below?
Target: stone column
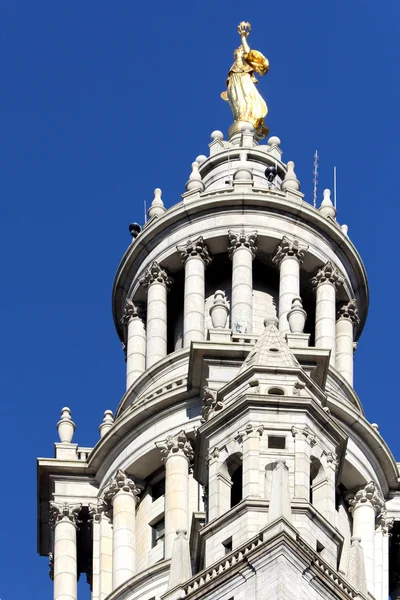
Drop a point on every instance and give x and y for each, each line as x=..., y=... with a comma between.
x=64, y=519
x=135, y=340
x=195, y=257
x=250, y=439
x=123, y=493
x=157, y=283
x=242, y=251
x=289, y=256
x=365, y=504
x=102, y=549
x=219, y=490
x=177, y=454
x=326, y=282
x=304, y=440
x=347, y=320
x=385, y=526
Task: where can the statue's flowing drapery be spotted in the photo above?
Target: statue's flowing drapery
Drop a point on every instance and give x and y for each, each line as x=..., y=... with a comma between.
x=246, y=102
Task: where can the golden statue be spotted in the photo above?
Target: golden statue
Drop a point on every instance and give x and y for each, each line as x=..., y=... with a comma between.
x=245, y=101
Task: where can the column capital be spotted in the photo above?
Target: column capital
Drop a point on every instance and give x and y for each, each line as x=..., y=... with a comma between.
x=211, y=404
x=132, y=310
x=384, y=523
x=289, y=248
x=155, y=274
x=349, y=311
x=328, y=274
x=369, y=494
x=64, y=511
x=121, y=482
x=195, y=248
x=305, y=433
x=176, y=445
x=99, y=510
x=237, y=239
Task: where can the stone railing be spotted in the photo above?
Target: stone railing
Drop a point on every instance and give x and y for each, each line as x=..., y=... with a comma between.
x=83, y=453
x=223, y=565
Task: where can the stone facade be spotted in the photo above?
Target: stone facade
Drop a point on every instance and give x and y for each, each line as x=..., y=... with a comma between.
x=239, y=463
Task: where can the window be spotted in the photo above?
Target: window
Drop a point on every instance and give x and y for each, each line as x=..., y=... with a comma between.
x=275, y=391
x=157, y=533
x=237, y=486
x=277, y=442
x=227, y=544
x=158, y=489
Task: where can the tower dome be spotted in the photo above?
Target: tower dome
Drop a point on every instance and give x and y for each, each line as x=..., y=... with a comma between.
x=239, y=458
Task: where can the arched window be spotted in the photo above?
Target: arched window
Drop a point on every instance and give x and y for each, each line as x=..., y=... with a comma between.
x=230, y=479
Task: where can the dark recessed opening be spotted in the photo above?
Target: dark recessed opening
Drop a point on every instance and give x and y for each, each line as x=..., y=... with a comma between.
x=276, y=391
x=278, y=442
x=237, y=486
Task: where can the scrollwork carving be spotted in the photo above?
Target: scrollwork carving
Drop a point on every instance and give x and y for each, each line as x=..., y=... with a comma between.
x=211, y=404
x=155, y=273
x=193, y=248
x=349, y=311
x=63, y=511
x=328, y=273
x=289, y=248
x=122, y=482
x=176, y=445
x=242, y=238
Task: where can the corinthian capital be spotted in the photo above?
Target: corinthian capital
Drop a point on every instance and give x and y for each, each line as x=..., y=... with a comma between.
x=176, y=445
x=97, y=511
x=242, y=238
x=328, y=273
x=195, y=248
x=121, y=482
x=367, y=494
x=289, y=248
x=132, y=310
x=63, y=511
x=349, y=311
x=154, y=273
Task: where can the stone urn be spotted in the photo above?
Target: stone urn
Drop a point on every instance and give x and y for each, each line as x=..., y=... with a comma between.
x=219, y=310
x=66, y=426
x=297, y=316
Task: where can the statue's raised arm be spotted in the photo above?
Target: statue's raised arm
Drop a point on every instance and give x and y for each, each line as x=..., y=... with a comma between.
x=245, y=101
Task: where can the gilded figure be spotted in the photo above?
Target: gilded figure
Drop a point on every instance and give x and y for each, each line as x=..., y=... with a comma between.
x=245, y=101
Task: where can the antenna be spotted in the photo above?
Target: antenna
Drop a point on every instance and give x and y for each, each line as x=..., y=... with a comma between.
x=315, y=179
x=145, y=212
x=334, y=187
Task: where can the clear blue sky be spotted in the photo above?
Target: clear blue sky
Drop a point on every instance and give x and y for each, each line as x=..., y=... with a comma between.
x=100, y=103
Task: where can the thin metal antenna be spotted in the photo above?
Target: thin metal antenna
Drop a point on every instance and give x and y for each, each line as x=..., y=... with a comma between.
x=145, y=212
x=316, y=161
x=334, y=187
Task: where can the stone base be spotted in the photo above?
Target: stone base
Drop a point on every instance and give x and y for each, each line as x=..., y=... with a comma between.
x=298, y=340
x=222, y=336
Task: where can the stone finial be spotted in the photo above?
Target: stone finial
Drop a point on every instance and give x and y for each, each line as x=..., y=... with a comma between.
x=66, y=426
x=328, y=274
x=349, y=311
x=217, y=135
x=290, y=182
x=201, y=158
x=181, y=569
x=279, y=505
x=157, y=208
x=297, y=316
x=248, y=132
x=274, y=141
x=219, y=310
x=176, y=445
x=243, y=171
x=289, y=248
x=195, y=248
x=211, y=404
x=327, y=209
x=107, y=423
x=60, y=511
x=122, y=482
x=132, y=310
x=236, y=239
x=155, y=274
x=344, y=229
x=356, y=566
x=369, y=493
x=375, y=426
x=195, y=182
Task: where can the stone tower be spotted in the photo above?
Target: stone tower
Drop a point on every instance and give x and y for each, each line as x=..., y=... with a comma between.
x=239, y=463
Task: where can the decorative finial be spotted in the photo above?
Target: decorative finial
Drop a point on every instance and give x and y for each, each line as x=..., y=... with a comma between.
x=290, y=182
x=195, y=182
x=327, y=209
x=201, y=158
x=246, y=103
x=217, y=135
x=297, y=316
x=157, y=208
x=66, y=426
x=345, y=229
x=107, y=423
